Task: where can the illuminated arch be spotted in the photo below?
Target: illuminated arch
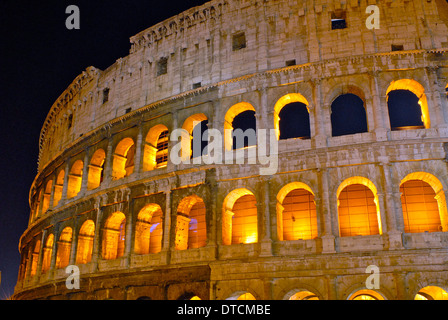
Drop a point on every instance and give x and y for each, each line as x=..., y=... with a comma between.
x=123, y=162
x=35, y=258
x=366, y=294
x=114, y=236
x=75, y=179
x=358, y=207
x=296, y=212
x=48, y=250
x=419, y=91
x=191, y=231
x=155, y=153
x=300, y=295
x=96, y=169
x=149, y=230
x=46, y=197
x=233, y=111
x=432, y=202
x=240, y=220
x=58, y=188
x=63, y=248
x=190, y=125
x=431, y=293
x=241, y=295
x=85, y=242
x=281, y=103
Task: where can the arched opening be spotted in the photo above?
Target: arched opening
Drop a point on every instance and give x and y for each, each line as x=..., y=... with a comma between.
x=191, y=229
x=423, y=203
x=123, y=162
x=58, y=188
x=348, y=115
x=85, y=242
x=431, y=293
x=46, y=197
x=242, y=295
x=189, y=296
x=64, y=247
x=366, y=294
x=358, y=209
x=96, y=169
x=291, y=117
x=35, y=258
x=240, y=218
x=302, y=295
x=75, y=179
x=149, y=230
x=199, y=140
x=155, y=153
x=296, y=213
x=244, y=113
x=114, y=236
x=407, y=105
x=48, y=250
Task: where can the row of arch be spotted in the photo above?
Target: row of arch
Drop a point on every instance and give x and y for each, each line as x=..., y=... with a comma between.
x=425, y=293
x=291, y=120
x=422, y=197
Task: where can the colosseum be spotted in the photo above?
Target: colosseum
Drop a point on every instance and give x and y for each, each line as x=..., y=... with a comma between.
x=355, y=119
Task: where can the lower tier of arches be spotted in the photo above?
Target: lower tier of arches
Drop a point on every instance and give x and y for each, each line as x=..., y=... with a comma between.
x=324, y=277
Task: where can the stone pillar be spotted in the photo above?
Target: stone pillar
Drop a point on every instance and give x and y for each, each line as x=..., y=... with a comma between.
x=167, y=226
x=41, y=252
x=379, y=107
x=319, y=139
x=53, y=188
x=74, y=246
x=437, y=112
x=138, y=152
x=85, y=173
x=54, y=251
x=65, y=185
x=108, y=163
x=328, y=236
x=392, y=200
x=265, y=230
x=130, y=235
x=96, y=250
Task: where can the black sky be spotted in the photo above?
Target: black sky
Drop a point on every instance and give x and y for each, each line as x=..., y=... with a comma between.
x=39, y=58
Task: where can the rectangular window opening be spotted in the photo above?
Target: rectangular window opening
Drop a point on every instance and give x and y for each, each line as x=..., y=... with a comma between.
x=105, y=95
x=338, y=20
x=162, y=66
x=238, y=41
x=197, y=85
x=396, y=47
x=289, y=63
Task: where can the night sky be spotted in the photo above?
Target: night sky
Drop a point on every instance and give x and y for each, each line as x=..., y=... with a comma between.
x=39, y=58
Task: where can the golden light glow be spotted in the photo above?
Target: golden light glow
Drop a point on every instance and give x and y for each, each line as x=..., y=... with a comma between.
x=304, y=295
x=431, y=293
x=283, y=101
x=191, y=224
x=123, y=162
x=366, y=294
x=85, y=242
x=48, y=250
x=228, y=120
x=58, y=188
x=114, y=236
x=358, y=209
x=246, y=296
x=34, y=258
x=423, y=206
x=239, y=217
x=75, y=179
x=64, y=247
x=153, y=148
x=296, y=212
x=417, y=89
x=149, y=230
x=95, y=175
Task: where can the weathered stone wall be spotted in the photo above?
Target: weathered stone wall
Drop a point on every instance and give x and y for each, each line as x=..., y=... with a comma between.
x=198, y=45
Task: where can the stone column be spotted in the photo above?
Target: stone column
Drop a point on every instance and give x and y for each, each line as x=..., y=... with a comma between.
x=74, y=246
x=167, y=227
x=328, y=236
x=319, y=139
x=437, y=112
x=96, y=250
x=65, y=185
x=265, y=231
x=138, y=152
x=108, y=163
x=379, y=106
x=85, y=172
x=54, y=251
x=41, y=253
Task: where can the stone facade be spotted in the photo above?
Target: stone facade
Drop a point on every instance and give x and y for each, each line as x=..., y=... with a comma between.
x=197, y=66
